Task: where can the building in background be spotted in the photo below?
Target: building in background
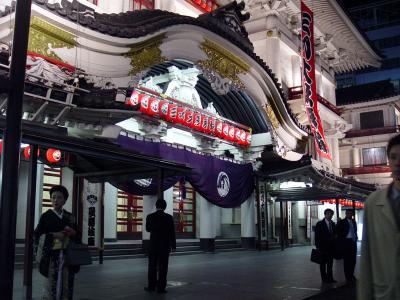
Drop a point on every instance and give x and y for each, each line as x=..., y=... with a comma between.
x=243, y=71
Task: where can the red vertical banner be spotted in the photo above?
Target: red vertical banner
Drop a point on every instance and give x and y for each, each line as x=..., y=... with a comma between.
x=309, y=83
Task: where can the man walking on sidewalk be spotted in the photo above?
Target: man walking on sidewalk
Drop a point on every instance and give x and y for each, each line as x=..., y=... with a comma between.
x=347, y=238
x=162, y=242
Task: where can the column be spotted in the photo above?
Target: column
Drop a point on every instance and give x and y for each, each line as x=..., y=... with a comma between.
x=296, y=70
x=22, y=200
x=207, y=224
x=67, y=180
x=149, y=206
x=248, y=221
x=169, y=198
x=273, y=50
x=110, y=212
x=356, y=157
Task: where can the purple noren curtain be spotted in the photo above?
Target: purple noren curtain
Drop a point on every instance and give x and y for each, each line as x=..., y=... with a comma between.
x=223, y=183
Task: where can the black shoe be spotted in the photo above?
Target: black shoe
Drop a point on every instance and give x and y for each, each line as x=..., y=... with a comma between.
x=162, y=291
x=149, y=289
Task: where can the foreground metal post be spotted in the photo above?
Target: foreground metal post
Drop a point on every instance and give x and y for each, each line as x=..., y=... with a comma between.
x=30, y=221
x=259, y=245
x=11, y=146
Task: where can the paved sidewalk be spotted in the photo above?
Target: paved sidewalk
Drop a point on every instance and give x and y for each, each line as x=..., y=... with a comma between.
x=266, y=275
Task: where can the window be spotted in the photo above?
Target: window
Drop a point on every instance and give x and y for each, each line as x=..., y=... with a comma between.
x=374, y=156
x=371, y=119
x=143, y=4
x=129, y=215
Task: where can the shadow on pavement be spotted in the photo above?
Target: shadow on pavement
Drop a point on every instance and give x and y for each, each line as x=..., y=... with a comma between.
x=344, y=292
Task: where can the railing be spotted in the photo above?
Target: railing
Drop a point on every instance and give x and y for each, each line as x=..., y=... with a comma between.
x=372, y=131
x=297, y=92
x=366, y=170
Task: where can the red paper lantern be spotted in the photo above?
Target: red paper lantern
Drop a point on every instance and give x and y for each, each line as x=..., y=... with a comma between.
x=243, y=137
x=181, y=115
x=152, y=110
x=248, y=138
x=204, y=123
x=237, y=135
x=134, y=99
x=231, y=133
x=144, y=103
x=212, y=125
x=197, y=121
x=163, y=109
x=1, y=146
x=225, y=131
x=172, y=113
x=27, y=152
x=218, y=129
x=189, y=117
x=53, y=155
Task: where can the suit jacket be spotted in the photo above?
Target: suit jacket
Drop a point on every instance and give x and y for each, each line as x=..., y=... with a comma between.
x=380, y=251
x=324, y=240
x=162, y=231
x=343, y=228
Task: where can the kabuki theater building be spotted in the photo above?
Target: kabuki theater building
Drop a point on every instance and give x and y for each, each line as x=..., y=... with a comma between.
x=225, y=110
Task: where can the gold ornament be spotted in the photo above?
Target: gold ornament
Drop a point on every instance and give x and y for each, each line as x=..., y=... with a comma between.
x=222, y=61
x=43, y=37
x=271, y=116
x=146, y=54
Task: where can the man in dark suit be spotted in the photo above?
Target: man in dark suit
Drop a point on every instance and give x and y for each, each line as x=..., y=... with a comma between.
x=324, y=241
x=162, y=242
x=347, y=238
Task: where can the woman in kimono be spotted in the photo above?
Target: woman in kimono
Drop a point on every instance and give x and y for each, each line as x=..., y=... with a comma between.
x=55, y=230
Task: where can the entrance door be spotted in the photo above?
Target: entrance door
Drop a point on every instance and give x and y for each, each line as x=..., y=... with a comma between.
x=129, y=216
x=184, y=211
x=51, y=177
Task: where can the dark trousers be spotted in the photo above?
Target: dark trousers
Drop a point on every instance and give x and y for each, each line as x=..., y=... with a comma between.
x=326, y=268
x=158, y=261
x=349, y=257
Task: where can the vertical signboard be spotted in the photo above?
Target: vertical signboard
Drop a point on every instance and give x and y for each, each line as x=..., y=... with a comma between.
x=308, y=81
x=91, y=210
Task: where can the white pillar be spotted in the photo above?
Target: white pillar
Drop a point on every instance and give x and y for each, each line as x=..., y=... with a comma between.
x=296, y=70
x=217, y=219
x=273, y=50
x=248, y=221
x=149, y=206
x=110, y=212
x=67, y=180
x=169, y=198
x=207, y=224
x=356, y=157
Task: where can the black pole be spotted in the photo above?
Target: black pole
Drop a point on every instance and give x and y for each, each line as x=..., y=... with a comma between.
x=354, y=208
x=282, y=227
x=258, y=214
x=30, y=222
x=337, y=209
x=11, y=146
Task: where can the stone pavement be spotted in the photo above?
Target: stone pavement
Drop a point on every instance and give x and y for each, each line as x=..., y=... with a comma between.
x=266, y=275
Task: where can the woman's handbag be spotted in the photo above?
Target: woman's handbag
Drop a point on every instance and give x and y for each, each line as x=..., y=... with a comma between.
x=317, y=256
x=77, y=255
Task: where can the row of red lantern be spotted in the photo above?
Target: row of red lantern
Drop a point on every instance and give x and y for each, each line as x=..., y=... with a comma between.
x=52, y=155
x=174, y=113
x=344, y=202
x=208, y=5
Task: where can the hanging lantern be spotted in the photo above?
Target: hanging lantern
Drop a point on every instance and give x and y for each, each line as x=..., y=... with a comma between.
x=197, y=121
x=204, y=123
x=181, y=115
x=218, y=129
x=172, y=112
x=53, y=155
x=144, y=104
x=163, y=109
x=231, y=133
x=152, y=110
x=225, y=131
x=248, y=139
x=237, y=135
x=212, y=124
x=1, y=146
x=134, y=99
x=189, y=116
x=27, y=152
